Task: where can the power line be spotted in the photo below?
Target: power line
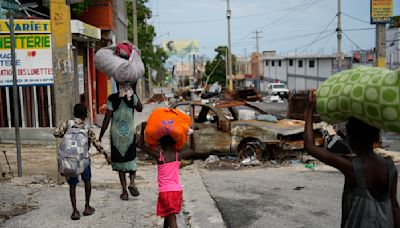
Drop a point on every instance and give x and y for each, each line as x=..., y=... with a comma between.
x=239, y=17
x=352, y=41
x=323, y=31
x=354, y=18
x=288, y=38
x=304, y=5
x=305, y=47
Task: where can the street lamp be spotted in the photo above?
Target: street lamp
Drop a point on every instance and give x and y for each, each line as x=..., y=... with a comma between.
x=11, y=7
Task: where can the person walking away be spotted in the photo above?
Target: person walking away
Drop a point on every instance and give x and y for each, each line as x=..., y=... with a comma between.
x=170, y=189
x=80, y=114
x=120, y=110
x=370, y=188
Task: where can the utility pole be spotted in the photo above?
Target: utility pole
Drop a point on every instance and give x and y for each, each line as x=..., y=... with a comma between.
x=63, y=73
x=15, y=94
x=64, y=77
x=228, y=16
x=245, y=60
x=380, y=45
x=134, y=24
x=141, y=82
x=339, y=55
x=257, y=37
x=194, y=69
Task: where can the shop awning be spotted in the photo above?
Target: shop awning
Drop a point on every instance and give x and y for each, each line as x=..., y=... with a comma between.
x=84, y=30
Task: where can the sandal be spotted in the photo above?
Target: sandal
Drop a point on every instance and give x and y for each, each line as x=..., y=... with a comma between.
x=124, y=197
x=134, y=191
x=88, y=211
x=75, y=216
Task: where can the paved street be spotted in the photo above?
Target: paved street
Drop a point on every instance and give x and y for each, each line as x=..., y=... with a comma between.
x=290, y=196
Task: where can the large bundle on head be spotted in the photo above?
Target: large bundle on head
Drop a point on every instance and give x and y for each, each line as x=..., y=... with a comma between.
x=166, y=121
x=370, y=94
x=121, y=62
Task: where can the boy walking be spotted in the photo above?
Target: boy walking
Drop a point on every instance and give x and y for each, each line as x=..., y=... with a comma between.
x=80, y=114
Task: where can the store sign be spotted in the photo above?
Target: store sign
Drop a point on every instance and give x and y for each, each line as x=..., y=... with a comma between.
x=26, y=26
x=381, y=11
x=33, y=53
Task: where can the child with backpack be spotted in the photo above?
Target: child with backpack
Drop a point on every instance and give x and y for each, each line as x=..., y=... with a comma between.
x=73, y=156
x=170, y=189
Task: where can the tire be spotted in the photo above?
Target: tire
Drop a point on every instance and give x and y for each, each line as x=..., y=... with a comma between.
x=250, y=147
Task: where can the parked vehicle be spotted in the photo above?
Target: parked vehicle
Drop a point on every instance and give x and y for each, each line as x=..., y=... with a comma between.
x=219, y=130
x=278, y=89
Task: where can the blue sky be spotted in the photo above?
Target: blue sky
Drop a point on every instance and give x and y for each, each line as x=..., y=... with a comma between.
x=287, y=25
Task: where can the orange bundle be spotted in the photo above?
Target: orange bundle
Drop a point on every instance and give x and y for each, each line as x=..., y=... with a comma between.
x=167, y=121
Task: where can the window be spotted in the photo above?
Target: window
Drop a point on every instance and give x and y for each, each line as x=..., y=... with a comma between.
x=311, y=63
x=266, y=63
x=300, y=63
x=290, y=62
x=273, y=63
x=280, y=63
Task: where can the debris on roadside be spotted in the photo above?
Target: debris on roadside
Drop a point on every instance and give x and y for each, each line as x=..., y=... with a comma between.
x=212, y=159
x=247, y=94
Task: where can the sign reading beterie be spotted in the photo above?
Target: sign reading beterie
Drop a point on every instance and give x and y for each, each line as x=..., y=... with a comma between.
x=381, y=11
x=33, y=53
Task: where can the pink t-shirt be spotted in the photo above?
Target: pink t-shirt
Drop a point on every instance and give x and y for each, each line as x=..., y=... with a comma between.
x=168, y=175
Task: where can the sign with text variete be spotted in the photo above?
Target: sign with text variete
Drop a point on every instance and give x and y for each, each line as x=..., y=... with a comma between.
x=33, y=53
x=381, y=11
x=26, y=26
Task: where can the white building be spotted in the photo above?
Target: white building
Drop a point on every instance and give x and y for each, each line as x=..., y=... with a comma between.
x=300, y=72
x=393, y=48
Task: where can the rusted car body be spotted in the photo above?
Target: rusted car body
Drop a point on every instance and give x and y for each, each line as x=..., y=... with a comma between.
x=218, y=130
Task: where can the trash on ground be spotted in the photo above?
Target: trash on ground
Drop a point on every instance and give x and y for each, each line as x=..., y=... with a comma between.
x=250, y=161
x=311, y=166
x=298, y=188
x=212, y=159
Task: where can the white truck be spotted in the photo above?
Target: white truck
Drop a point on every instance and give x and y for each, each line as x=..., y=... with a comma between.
x=278, y=89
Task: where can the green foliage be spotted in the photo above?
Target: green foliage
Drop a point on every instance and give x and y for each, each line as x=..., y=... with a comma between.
x=152, y=56
x=219, y=74
x=81, y=7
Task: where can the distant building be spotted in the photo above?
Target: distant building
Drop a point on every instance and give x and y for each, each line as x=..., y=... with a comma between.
x=393, y=48
x=301, y=72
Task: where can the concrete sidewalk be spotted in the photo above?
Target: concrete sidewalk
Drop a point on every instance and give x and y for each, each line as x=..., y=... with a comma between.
x=54, y=209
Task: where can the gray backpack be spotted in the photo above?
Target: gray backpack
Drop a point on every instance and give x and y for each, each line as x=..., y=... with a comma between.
x=73, y=153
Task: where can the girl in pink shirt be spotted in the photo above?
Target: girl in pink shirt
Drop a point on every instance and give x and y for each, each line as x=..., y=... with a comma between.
x=170, y=189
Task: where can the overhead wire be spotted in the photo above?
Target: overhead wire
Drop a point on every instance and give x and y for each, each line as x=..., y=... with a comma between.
x=305, y=47
x=354, y=43
x=355, y=18
x=323, y=31
x=284, y=18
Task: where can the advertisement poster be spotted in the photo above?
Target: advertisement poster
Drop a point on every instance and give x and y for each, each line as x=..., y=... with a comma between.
x=181, y=48
x=381, y=11
x=33, y=53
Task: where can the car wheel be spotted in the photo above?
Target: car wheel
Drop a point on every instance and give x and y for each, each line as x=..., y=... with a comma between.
x=252, y=148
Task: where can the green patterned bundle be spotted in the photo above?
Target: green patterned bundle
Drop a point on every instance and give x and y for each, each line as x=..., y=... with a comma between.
x=370, y=94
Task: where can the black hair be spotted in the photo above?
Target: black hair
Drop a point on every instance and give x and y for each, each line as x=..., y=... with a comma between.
x=80, y=111
x=166, y=142
x=361, y=135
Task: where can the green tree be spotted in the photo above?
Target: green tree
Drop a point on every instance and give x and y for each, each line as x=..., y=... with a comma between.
x=153, y=56
x=219, y=64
